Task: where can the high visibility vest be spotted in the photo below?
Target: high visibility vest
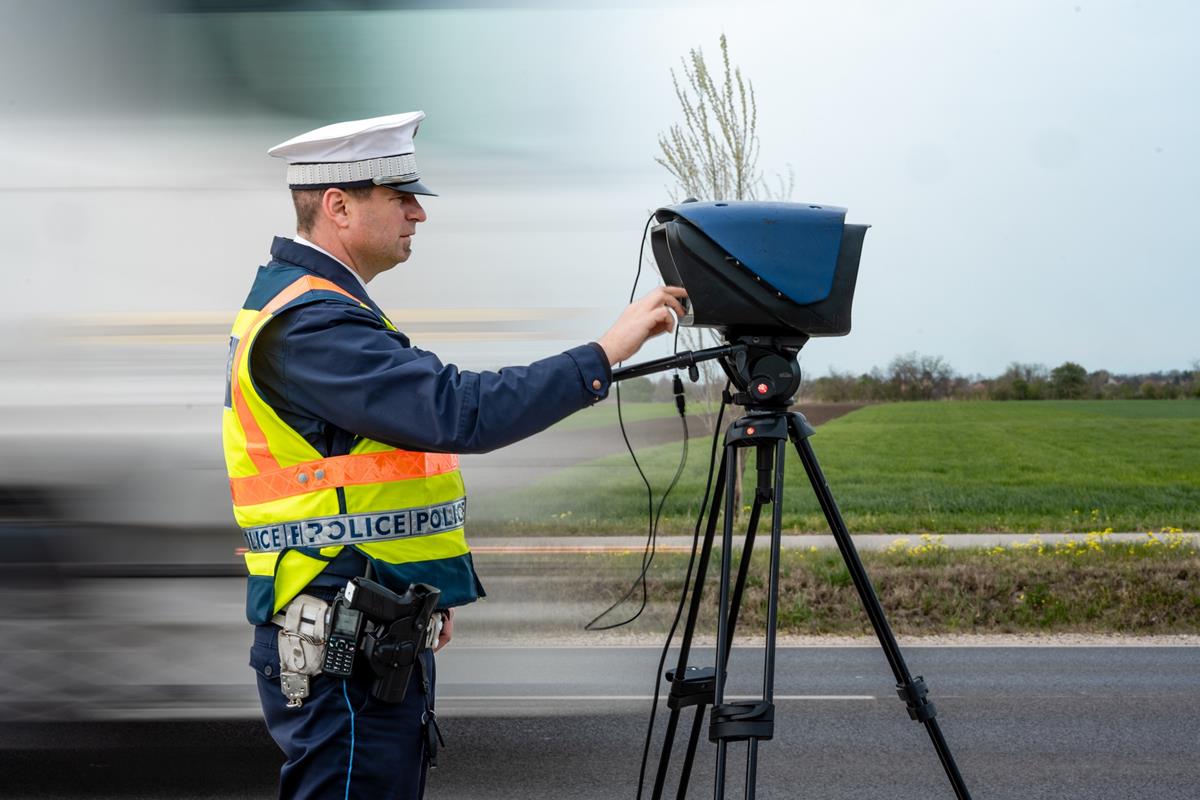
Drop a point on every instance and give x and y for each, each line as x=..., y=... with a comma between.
x=403, y=510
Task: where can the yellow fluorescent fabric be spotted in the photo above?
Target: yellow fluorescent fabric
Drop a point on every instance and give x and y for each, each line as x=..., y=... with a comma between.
x=294, y=572
x=261, y=563
x=249, y=418
x=421, y=548
x=286, y=444
x=322, y=503
x=414, y=493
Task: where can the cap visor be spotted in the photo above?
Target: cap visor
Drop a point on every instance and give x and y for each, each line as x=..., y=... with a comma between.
x=412, y=187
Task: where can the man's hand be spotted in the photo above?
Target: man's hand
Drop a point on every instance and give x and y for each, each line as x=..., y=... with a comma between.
x=447, y=631
x=643, y=319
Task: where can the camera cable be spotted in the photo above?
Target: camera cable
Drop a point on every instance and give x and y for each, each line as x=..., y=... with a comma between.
x=653, y=514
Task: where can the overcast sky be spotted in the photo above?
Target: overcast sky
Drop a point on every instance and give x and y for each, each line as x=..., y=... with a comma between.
x=1029, y=169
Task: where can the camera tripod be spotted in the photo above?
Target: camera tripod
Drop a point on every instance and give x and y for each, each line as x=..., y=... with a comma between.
x=768, y=430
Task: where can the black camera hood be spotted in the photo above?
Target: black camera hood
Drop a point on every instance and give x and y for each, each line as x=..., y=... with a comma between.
x=761, y=268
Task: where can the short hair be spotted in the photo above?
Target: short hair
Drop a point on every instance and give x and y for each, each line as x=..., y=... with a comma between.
x=308, y=202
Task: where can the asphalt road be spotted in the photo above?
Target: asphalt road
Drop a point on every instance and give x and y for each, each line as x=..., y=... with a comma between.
x=1093, y=723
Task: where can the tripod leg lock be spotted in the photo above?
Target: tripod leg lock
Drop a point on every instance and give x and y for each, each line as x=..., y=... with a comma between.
x=914, y=694
x=737, y=722
x=696, y=687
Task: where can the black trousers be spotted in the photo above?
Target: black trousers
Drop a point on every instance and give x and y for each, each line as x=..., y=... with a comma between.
x=343, y=743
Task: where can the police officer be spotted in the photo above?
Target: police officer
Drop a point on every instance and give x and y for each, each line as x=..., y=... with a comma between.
x=341, y=439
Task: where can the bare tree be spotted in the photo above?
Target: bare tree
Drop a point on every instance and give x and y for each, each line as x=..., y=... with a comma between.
x=921, y=377
x=713, y=155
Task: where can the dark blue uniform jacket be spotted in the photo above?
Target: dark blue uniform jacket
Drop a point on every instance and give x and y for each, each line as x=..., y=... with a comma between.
x=335, y=373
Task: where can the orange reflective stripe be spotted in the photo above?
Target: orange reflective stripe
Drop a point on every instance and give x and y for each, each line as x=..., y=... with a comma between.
x=298, y=287
x=257, y=447
x=256, y=441
x=351, y=470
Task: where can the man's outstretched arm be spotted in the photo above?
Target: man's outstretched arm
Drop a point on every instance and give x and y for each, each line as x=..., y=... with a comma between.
x=338, y=364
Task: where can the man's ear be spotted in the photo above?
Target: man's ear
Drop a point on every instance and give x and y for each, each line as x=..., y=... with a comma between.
x=335, y=207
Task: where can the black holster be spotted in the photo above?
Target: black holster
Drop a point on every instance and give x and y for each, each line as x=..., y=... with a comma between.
x=395, y=634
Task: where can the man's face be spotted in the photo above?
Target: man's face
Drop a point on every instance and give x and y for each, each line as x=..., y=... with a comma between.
x=381, y=228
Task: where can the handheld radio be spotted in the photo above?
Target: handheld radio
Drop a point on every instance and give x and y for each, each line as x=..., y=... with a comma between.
x=344, y=627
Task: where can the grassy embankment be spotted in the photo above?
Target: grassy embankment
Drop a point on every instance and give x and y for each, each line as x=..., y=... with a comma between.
x=920, y=467
x=1088, y=585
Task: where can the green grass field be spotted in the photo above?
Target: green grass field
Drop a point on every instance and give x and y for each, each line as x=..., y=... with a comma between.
x=605, y=415
x=913, y=467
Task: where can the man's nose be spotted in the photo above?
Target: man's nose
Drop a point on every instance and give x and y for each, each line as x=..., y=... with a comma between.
x=416, y=212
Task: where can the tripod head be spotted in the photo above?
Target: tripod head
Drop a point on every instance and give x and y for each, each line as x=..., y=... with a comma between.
x=765, y=370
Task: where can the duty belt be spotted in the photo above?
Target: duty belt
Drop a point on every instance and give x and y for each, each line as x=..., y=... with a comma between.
x=376, y=526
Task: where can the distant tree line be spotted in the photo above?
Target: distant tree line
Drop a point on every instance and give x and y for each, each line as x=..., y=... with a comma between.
x=913, y=376
x=920, y=377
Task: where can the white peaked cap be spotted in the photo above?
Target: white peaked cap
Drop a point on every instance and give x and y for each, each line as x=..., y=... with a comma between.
x=359, y=152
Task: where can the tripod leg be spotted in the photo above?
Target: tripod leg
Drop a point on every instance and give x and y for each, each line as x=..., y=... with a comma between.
x=773, y=589
x=690, y=756
x=685, y=647
x=762, y=495
x=723, y=611
x=719, y=778
x=747, y=722
x=689, y=628
x=751, y=768
x=664, y=756
x=771, y=489
x=735, y=602
x=744, y=566
x=911, y=690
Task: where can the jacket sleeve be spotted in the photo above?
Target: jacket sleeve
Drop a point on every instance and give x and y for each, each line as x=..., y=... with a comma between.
x=339, y=364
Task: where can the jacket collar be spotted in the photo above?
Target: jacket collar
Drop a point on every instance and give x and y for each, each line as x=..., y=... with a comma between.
x=291, y=252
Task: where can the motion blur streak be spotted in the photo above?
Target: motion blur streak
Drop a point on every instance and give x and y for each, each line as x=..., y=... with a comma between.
x=136, y=198
x=135, y=159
